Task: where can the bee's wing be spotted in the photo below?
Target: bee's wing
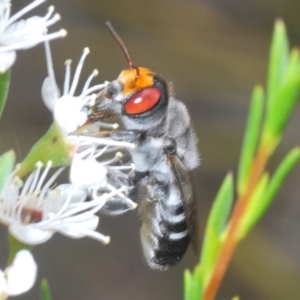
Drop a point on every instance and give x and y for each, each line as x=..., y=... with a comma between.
x=187, y=192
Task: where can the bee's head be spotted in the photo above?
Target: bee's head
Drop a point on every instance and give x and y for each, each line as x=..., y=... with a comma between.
x=139, y=96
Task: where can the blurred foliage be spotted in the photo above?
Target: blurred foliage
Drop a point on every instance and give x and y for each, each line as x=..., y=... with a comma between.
x=255, y=189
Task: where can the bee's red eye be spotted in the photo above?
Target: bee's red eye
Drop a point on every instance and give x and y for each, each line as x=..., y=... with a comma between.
x=142, y=101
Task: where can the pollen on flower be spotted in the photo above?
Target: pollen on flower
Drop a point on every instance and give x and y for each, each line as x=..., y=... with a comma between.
x=86, y=50
x=119, y=154
x=63, y=33
x=51, y=8
x=68, y=61
x=106, y=240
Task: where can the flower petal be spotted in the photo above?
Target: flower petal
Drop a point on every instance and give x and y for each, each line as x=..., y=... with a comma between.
x=59, y=196
x=24, y=30
x=48, y=95
x=21, y=274
x=87, y=173
x=7, y=59
x=78, y=195
x=68, y=114
x=29, y=235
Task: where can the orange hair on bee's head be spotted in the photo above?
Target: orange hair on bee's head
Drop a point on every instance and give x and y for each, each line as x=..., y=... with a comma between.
x=136, y=79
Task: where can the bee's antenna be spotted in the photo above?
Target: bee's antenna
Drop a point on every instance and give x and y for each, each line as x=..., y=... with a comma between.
x=121, y=43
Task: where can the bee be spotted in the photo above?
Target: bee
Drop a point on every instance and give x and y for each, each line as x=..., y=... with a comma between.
x=165, y=152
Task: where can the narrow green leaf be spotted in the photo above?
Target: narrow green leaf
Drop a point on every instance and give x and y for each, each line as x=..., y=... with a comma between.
x=279, y=176
x=278, y=60
x=45, y=290
x=286, y=99
x=250, y=138
x=253, y=207
x=293, y=65
x=222, y=205
x=187, y=279
x=7, y=162
x=267, y=193
x=197, y=284
x=216, y=222
x=4, y=86
x=210, y=251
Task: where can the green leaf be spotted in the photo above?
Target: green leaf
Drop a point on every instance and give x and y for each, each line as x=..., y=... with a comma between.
x=283, y=95
x=285, y=99
x=193, y=284
x=216, y=222
x=279, y=176
x=7, y=162
x=45, y=290
x=278, y=60
x=222, y=206
x=209, y=254
x=197, y=284
x=4, y=86
x=265, y=194
x=52, y=146
x=293, y=67
x=250, y=215
x=250, y=138
x=187, y=284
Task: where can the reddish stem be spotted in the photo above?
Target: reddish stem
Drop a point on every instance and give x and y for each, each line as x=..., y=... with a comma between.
x=232, y=240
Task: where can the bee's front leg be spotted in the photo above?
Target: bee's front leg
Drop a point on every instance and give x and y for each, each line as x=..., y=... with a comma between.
x=131, y=136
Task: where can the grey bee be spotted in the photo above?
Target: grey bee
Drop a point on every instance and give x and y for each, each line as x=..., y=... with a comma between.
x=166, y=150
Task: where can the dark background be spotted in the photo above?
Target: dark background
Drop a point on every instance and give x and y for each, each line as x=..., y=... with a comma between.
x=214, y=52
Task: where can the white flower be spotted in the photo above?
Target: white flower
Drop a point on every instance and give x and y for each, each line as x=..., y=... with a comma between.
x=20, y=276
x=34, y=212
x=16, y=34
x=69, y=111
x=88, y=173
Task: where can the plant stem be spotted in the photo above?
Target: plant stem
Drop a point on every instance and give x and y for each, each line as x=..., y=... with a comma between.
x=232, y=239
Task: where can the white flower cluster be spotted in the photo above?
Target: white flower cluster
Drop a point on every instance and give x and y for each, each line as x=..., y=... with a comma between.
x=34, y=209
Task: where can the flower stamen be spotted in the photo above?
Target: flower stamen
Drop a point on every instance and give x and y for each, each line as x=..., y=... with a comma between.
x=86, y=51
x=67, y=76
x=24, y=10
x=89, y=80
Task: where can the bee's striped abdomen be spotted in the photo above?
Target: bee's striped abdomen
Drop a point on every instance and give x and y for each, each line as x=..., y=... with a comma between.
x=165, y=236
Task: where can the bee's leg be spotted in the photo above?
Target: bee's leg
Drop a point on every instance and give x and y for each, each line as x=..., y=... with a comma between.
x=131, y=136
x=116, y=204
